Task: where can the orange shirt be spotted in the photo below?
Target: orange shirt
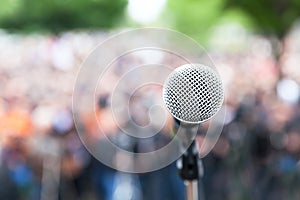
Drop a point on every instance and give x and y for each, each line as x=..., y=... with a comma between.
x=16, y=122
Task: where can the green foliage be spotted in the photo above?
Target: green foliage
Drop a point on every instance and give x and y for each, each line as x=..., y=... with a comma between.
x=59, y=15
x=195, y=17
x=8, y=7
x=192, y=17
x=270, y=16
x=237, y=15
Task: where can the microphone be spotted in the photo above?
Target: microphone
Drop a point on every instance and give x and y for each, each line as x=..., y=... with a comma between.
x=192, y=93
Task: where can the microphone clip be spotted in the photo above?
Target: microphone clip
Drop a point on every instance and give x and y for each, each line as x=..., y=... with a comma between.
x=189, y=165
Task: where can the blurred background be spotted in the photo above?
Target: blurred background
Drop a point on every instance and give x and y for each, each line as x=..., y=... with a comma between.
x=254, y=44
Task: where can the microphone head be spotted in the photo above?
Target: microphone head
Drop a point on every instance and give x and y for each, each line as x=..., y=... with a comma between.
x=193, y=93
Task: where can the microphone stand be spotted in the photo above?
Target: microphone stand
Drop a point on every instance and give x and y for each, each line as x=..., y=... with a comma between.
x=190, y=168
x=189, y=165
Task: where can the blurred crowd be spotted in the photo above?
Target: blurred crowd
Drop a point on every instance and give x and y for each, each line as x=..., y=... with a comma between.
x=42, y=156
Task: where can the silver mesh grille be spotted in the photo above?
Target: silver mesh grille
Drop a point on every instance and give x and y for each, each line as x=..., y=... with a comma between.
x=193, y=93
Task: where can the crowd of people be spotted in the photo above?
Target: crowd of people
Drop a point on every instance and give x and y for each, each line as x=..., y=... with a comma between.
x=43, y=157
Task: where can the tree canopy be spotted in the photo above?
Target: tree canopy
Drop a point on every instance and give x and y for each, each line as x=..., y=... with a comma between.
x=197, y=17
x=193, y=17
x=59, y=15
x=270, y=16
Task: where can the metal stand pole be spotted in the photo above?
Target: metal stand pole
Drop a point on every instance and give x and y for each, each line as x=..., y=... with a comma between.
x=189, y=171
x=191, y=190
